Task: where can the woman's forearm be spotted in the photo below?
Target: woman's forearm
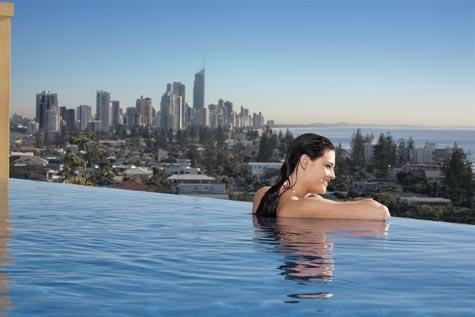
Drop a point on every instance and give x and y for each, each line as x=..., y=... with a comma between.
x=366, y=209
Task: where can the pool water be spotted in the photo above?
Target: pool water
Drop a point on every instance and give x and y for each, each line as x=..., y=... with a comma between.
x=68, y=250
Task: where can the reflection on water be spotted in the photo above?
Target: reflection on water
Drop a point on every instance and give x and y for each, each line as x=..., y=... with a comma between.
x=5, y=301
x=307, y=248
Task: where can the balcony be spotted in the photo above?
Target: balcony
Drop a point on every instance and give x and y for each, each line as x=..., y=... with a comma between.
x=74, y=250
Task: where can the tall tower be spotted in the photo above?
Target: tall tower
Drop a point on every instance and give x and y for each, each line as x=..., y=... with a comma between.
x=170, y=110
x=83, y=116
x=103, y=109
x=179, y=90
x=115, y=111
x=47, y=111
x=144, y=107
x=199, y=97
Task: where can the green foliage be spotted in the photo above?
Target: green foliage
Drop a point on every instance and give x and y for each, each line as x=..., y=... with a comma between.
x=388, y=199
x=160, y=182
x=252, y=134
x=267, y=146
x=342, y=170
x=385, y=155
x=357, y=150
x=403, y=152
x=458, y=185
x=417, y=183
x=284, y=141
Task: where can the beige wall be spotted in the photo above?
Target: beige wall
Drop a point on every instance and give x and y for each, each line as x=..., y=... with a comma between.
x=6, y=12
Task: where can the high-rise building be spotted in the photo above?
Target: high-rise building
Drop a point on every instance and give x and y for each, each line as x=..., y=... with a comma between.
x=62, y=113
x=116, y=113
x=70, y=119
x=170, y=110
x=130, y=117
x=257, y=120
x=179, y=90
x=47, y=111
x=83, y=116
x=144, y=107
x=199, y=97
x=103, y=109
x=213, y=116
x=228, y=114
x=52, y=120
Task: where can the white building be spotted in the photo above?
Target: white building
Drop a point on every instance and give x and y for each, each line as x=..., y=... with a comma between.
x=52, y=120
x=203, y=190
x=261, y=168
x=138, y=172
x=417, y=201
x=425, y=155
x=198, y=185
x=181, y=167
x=191, y=179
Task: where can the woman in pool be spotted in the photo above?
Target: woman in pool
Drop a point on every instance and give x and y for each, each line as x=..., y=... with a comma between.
x=308, y=168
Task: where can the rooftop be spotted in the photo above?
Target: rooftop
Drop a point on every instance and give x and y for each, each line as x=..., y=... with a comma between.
x=190, y=177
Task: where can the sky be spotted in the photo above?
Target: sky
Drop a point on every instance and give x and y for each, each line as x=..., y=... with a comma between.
x=297, y=62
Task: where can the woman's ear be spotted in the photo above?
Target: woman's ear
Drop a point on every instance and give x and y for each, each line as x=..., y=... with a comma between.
x=304, y=161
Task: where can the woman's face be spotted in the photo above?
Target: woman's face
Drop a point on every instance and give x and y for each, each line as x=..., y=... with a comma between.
x=320, y=172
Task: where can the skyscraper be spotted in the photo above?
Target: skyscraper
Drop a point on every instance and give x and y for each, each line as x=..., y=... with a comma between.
x=228, y=114
x=131, y=117
x=83, y=116
x=70, y=119
x=179, y=90
x=47, y=111
x=103, y=109
x=170, y=110
x=199, y=97
x=62, y=113
x=143, y=107
x=116, y=115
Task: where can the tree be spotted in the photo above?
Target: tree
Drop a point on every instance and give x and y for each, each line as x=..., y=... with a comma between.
x=79, y=161
x=403, y=154
x=342, y=166
x=267, y=145
x=72, y=163
x=284, y=144
x=160, y=181
x=411, y=146
x=384, y=155
x=357, y=150
x=457, y=181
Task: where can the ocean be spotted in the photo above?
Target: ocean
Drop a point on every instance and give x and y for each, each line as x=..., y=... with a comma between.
x=465, y=138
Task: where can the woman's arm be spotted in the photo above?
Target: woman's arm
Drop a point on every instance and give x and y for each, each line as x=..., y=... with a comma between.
x=318, y=207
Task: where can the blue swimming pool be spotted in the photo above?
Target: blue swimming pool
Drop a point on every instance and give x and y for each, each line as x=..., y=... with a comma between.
x=69, y=250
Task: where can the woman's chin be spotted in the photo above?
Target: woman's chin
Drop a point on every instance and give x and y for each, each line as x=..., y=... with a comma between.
x=321, y=190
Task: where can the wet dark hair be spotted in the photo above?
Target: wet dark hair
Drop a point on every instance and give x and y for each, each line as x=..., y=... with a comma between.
x=311, y=144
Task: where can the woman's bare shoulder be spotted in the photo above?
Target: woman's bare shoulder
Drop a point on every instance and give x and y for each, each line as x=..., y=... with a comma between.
x=258, y=197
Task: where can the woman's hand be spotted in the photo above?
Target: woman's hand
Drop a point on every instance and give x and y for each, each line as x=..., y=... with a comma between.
x=380, y=210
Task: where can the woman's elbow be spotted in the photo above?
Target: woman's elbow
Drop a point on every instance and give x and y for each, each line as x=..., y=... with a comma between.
x=383, y=212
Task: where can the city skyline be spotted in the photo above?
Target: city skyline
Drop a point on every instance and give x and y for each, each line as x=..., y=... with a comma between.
x=173, y=115
x=297, y=62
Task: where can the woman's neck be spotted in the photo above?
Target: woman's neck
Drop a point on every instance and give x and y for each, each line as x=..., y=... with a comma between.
x=297, y=187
